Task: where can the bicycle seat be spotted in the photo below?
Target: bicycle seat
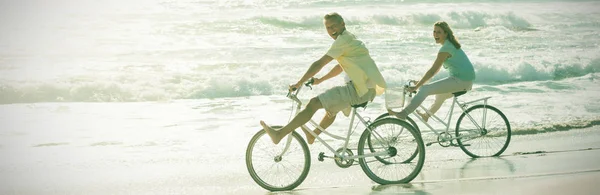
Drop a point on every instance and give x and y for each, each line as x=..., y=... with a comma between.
x=456, y=94
x=363, y=105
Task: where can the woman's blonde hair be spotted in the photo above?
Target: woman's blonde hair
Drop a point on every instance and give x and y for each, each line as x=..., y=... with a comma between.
x=450, y=35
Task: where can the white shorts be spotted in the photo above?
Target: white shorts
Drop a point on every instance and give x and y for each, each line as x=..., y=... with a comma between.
x=341, y=98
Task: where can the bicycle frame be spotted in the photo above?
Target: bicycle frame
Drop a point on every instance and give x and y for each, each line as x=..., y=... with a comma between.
x=342, y=155
x=462, y=106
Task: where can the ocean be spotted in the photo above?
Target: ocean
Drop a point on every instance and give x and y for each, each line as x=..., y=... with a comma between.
x=88, y=83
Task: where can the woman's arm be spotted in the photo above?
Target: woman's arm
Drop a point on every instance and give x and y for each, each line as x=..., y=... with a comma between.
x=435, y=68
x=336, y=70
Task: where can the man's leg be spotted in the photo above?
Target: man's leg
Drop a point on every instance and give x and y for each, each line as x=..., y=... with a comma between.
x=325, y=122
x=300, y=119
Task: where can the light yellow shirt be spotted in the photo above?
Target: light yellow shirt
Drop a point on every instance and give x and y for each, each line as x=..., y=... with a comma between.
x=354, y=58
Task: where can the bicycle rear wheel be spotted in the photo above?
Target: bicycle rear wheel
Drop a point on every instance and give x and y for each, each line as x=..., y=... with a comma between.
x=395, y=141
x=278, y=167
x=483, y=131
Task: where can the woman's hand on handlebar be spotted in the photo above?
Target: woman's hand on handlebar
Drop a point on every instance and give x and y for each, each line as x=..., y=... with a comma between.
x=411, y=86
x=411, y=89
x=414, y=82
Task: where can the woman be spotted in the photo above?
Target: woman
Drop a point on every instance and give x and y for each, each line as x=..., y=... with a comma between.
x=453, y=58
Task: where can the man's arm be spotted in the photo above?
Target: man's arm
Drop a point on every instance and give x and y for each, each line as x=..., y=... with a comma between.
x=314, y=69
x=336, y=70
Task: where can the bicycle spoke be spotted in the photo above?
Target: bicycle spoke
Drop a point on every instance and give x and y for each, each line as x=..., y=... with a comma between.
x=394, y=137
x=277, y=167
x=489, y=141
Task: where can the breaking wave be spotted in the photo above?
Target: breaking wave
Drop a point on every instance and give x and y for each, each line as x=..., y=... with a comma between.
x=193, y=86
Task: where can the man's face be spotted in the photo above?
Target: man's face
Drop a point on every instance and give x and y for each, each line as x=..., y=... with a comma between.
x=334, y=29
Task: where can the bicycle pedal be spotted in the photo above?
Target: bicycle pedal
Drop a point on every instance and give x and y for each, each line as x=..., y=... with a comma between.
x=429, y=144
x=321, y=156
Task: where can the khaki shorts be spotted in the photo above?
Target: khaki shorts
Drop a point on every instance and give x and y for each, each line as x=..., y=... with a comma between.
x=341, y=98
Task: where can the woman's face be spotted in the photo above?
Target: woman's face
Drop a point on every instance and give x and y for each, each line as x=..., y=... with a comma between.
x=439, y=35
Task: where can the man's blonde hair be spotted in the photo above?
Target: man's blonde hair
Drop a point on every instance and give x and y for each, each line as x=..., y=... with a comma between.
x=334, y=16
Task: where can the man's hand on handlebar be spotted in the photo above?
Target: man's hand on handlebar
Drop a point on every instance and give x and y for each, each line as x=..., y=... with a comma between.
x=310, y=82
x=293, y=87
x=316, y=80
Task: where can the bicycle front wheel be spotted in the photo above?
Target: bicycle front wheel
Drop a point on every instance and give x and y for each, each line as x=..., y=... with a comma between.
x=391, y=142
x=412, y=122
x=278, y=167
x=483, y=131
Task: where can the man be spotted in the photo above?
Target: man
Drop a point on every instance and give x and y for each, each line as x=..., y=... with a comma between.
x=364, y=80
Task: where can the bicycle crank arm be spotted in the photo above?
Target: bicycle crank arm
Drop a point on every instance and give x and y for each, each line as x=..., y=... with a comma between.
x=452, y=144
x=456, y=145
x=322, y=157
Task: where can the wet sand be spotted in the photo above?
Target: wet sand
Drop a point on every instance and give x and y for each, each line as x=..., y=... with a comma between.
x=551, y=163
x=566, y=162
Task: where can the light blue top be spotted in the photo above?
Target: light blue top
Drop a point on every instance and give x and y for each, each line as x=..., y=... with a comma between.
x=458, y=64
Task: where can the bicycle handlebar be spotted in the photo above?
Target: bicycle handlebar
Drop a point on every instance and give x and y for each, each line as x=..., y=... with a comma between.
x=310, y=82
x=408, y=84
x=297, y=90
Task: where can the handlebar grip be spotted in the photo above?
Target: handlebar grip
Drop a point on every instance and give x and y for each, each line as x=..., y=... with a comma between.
x=309, y=82
x=409, y=93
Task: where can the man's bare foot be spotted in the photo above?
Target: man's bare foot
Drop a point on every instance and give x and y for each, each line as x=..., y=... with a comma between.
x=424, y=116
x=271, y=132
x=310, y=139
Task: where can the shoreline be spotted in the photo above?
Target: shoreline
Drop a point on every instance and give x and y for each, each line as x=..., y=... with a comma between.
x=559, y=159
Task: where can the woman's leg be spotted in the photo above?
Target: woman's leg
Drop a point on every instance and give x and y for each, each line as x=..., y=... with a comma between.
x=439, y=100
x=446, y=85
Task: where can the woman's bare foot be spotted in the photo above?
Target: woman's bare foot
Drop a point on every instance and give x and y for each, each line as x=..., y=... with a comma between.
x=310, y=139
x=424, y=116
x=400, y=116
x=271, y=132
x=397, y=114
x=391, y=112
